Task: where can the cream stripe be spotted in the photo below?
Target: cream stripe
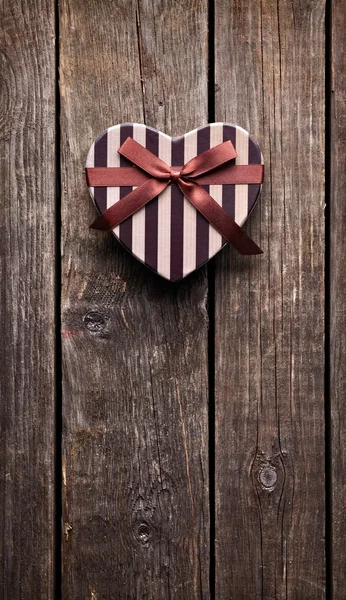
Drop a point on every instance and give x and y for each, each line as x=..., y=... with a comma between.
x=113, y=160
x=164, y=215
x=241, y=191
x=190, y=213
x=138, y=219
x=215, y=239
x=90, y=163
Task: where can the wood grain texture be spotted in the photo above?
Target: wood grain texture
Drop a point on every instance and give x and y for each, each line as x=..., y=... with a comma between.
x=27, y=262
x=337, y=297
x=135, y=387
x=269, y=310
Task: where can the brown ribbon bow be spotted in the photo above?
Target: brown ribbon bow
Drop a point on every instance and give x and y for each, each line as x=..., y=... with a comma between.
x=209, y=167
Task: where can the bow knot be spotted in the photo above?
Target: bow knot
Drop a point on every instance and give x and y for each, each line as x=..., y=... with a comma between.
x=175, y=175
x=152, y=175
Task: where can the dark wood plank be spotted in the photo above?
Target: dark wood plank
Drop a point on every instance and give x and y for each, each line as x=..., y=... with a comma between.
x=337, y=297
x=269, y=310
x=135, y=389
x=27, y=335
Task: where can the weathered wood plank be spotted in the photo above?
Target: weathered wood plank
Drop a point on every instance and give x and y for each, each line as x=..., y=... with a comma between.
x=135, y=383
x=337, y=296
x=27, y=335
x=269, y=310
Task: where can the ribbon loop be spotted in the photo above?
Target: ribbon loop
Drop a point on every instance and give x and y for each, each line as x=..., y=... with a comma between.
x=185, y=177
x=144, y=159
x=209, y=160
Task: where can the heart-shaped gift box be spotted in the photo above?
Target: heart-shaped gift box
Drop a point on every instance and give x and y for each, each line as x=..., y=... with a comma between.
x=170, y=233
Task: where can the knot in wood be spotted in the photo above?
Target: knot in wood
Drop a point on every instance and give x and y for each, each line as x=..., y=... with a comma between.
x=143, y=532
x=268, y=477
x=94, y=321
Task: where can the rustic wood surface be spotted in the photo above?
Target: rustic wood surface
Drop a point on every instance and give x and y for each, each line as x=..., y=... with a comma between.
x=139, y=437
x=269, y=345
x=27, y=324
x=337, y=298
x=135, y=369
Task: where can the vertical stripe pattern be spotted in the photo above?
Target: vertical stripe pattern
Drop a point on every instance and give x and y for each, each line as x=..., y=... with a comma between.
x=152, y=211
x=113, y=160
x=138, y=219
x=169, y=235
x=228, y=191
x=215, y=238
x=90, y=163
x=190, y=213
x=125, y=234
x=241, y=191
x=100, y=160
x=177, y=214
x=202, y=226
x=164, y=215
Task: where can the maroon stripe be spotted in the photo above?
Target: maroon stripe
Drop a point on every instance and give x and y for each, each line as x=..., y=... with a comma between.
x=125, y=228
x=177, y=215
x=254, y=159
x=228, y=191
x=151, y=209
x=100, y=160
x=202, y=225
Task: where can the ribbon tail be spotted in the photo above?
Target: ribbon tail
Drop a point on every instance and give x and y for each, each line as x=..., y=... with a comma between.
x=218, y=218
x=127, y=206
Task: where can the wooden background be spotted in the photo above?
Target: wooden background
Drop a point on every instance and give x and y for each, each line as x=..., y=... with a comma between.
x=172, y=441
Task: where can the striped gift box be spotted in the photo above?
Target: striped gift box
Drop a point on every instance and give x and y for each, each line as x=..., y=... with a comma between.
x=168, y=234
